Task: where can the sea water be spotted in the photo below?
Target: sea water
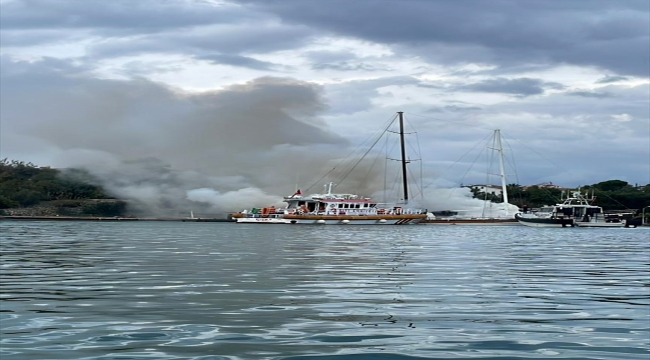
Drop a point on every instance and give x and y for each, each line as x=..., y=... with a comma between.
x=174, y=290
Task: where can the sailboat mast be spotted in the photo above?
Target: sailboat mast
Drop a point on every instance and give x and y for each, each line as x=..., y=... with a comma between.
x=404, y=162
x=497, y=135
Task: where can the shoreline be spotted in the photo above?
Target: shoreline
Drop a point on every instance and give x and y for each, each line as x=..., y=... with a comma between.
x=115, y=218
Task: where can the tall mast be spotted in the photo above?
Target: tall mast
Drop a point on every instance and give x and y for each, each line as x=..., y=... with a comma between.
x=497, y=135
x=404, y=162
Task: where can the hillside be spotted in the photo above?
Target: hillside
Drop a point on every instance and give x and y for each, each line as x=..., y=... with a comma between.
x=29, y=190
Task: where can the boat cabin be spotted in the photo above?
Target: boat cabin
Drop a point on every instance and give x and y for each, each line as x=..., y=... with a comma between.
x=332, y=204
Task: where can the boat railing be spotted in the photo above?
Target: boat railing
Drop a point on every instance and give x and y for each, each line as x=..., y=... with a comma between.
x=369, y=211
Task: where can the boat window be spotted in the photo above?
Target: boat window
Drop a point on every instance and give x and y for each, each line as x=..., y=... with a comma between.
x=567, y=211
x=592, y=211
x=340, y=206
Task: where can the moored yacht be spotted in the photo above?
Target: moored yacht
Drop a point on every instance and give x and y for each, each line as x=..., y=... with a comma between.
x=576, y=210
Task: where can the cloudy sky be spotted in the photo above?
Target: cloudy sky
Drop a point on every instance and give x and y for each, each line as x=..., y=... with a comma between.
x=248, y=96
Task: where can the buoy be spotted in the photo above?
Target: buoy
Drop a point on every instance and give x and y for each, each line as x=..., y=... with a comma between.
x=345, y=221
x=382, y=220
x=320, y=222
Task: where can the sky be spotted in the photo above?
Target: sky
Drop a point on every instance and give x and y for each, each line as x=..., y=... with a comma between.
x=235, y=103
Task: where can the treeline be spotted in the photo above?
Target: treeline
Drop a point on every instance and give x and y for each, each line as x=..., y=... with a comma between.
x=25, y=184
x=611, y=195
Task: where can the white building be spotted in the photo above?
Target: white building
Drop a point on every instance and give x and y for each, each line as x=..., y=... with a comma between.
x=488, y=189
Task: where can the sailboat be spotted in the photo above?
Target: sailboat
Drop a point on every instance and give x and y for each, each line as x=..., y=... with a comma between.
x=331, y=208
x=506, y=220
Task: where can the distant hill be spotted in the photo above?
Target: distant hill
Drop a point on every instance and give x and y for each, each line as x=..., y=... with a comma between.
x=610, y=194
x=26, y=189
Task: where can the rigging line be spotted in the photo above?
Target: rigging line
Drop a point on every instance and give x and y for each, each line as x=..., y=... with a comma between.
x=457, y=161
x=611, y=198
x=514, y=164
x=415, y=183
x=390, y=121
x=362, y=157
x=471, y=165
x=385, y=169
x=397, y=194
x=542, y=156
x=487, y=181
x=363, y=180
x=417, y=138
x=451, y=122
x=514, y=167
x=356, y=153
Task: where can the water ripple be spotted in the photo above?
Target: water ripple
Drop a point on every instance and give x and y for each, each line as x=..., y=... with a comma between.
x=222, y=291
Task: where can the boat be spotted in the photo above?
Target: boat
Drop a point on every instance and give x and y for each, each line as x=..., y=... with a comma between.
x=482, y=220
x=330, y=208
x=576, y=210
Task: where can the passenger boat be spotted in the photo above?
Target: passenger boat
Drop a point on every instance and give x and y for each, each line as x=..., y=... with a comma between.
x=332, y=208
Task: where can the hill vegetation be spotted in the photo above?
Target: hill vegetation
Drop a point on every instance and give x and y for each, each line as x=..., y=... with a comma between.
x=610, y=194
x=70, y=192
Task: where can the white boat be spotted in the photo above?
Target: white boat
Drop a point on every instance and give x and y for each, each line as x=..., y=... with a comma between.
x=339, y=208
x=576, y=210
x=482, y=220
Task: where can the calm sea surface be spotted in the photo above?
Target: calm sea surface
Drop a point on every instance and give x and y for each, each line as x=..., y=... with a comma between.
x=169, y=290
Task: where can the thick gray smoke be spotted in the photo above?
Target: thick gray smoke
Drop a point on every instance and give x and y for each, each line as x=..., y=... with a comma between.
x=168, y=151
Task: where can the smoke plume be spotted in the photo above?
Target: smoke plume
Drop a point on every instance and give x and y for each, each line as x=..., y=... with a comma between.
x=169, y=151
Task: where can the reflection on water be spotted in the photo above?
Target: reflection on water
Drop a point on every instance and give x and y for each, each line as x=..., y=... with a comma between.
x=160, y=290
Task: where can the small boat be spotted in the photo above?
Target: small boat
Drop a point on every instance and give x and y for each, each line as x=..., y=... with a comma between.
x=576, y=210
x=268, y=215
x=339, y=208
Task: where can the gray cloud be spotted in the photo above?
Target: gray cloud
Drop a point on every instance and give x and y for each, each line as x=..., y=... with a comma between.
x=350, y=66
x=510, y=35
x=609, y=35
x=341, y=101
x=240, y=61
x=453, y=108
x=119, y=16
x=152, y=143
x=519, y=86
x=592, y=94
x=611, y=79
x=570, y=140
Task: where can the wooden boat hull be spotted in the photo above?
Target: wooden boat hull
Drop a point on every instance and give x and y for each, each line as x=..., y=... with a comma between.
x=405, y=219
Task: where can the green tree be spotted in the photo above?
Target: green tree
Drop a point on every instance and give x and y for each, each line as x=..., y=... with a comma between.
x=611, y=185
